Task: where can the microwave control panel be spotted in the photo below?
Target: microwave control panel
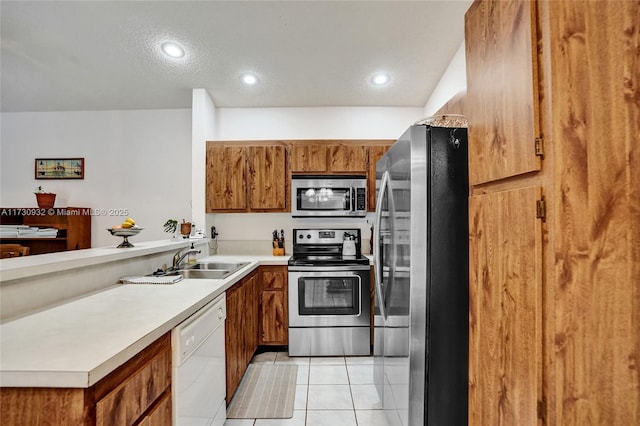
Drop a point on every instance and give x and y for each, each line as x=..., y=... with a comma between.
x=361, y=199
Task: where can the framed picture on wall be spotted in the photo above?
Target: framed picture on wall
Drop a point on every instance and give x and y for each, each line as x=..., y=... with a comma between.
x=59, y=168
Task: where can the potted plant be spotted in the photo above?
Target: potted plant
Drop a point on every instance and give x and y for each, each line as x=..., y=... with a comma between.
x=170, y=226
x=44, y=199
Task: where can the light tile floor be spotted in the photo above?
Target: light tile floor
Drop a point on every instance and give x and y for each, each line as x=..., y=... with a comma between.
x=331, y=391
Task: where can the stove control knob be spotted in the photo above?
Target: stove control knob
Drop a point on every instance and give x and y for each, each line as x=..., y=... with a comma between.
x=308, y=236
x=301, y=236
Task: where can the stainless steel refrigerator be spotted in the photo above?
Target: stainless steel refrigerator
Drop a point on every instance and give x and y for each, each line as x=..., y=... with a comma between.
x=421, y=275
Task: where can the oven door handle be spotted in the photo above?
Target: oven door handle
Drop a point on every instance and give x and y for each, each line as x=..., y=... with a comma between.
x=344, y=268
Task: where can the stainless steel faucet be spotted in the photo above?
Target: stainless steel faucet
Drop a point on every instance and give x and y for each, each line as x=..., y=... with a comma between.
x=179, y=257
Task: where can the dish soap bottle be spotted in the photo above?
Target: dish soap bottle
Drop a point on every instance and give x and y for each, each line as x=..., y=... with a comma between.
x=192, y=255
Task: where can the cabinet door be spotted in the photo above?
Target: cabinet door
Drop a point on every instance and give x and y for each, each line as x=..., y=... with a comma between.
x=375, y=153
x=595, y=339
x=505, y=308
x=250, y=310
x=129, y=392
x=268, y=177
x=226, y=176
x=274, y=277
x=308, y=158
x=347, y=158
x=273, y=320
x=273, y=306
x=502, y=93
x=234, y=340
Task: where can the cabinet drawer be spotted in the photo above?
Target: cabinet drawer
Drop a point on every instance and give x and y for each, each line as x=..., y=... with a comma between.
x=161, y=413
x=126, y=403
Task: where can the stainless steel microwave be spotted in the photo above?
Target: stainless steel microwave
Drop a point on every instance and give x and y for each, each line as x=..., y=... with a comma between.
x=328, y=196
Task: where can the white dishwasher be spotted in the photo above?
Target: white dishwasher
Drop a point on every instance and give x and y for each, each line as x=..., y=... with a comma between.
x=198, y=383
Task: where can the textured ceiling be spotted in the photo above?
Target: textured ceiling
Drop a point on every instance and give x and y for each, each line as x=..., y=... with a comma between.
x=102, y=55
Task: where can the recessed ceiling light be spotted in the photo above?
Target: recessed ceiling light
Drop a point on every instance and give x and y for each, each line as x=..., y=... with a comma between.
x=380, y=79
x=249, y=78
x=172, y=49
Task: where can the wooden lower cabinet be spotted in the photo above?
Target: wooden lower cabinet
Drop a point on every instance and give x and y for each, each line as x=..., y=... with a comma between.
x=273, y=306
x=138, y=392
x=505, y=309
x=241, y=330
x=256, y=315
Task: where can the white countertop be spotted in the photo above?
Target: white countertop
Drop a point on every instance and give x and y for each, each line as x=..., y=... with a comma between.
x=78, y=343
x=29, y=266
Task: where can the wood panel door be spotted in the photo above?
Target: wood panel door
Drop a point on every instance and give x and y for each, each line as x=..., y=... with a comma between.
x=595, y=66
x=226, y=177
x=307, y=158
x=268, y=177
x=502, y=89
x=505, y=308
x=347, y=158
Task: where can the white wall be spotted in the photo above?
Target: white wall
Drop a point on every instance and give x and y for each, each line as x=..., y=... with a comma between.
x=134, y=160
x=314, y=123
x=251, y=232
x=452, y=82
x=203, y=129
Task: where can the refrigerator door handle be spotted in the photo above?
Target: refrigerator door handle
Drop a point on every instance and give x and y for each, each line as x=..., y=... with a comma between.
x=376, y=244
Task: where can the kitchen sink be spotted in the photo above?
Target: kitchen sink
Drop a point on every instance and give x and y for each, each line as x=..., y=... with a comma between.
x=209, y=270
x=216, y=266
x=212, y=274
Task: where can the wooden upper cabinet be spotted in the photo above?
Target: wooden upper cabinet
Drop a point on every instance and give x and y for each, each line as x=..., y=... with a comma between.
x=328, y=157
x=226, y=178
x=308, y=158
x=502, y=89
x=505, y=308
x=347, y=158
x=246, y=178
x=253, y=176
x=375, y=153
x=268, y=178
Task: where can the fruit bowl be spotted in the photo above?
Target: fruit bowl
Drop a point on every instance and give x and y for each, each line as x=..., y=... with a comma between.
x=125, y=233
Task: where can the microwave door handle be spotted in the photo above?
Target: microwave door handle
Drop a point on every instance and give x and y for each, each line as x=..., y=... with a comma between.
x=353, y=199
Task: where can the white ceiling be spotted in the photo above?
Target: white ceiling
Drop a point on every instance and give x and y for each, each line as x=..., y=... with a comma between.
x=104, y=55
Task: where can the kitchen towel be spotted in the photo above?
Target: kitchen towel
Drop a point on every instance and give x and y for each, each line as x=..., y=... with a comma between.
x=267, y=391
x=172, y=279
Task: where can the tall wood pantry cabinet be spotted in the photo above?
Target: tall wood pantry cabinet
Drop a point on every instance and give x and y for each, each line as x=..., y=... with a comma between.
x=553, y=101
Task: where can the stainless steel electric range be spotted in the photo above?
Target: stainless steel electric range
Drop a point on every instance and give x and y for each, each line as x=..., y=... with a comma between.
x=329, y=294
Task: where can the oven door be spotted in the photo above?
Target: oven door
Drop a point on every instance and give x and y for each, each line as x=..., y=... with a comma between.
x=329, y=297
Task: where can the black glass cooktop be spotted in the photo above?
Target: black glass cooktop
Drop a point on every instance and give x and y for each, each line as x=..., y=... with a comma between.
x=327, y=260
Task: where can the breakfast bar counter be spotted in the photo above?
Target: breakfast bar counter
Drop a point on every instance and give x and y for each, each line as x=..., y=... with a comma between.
x=76, y=343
